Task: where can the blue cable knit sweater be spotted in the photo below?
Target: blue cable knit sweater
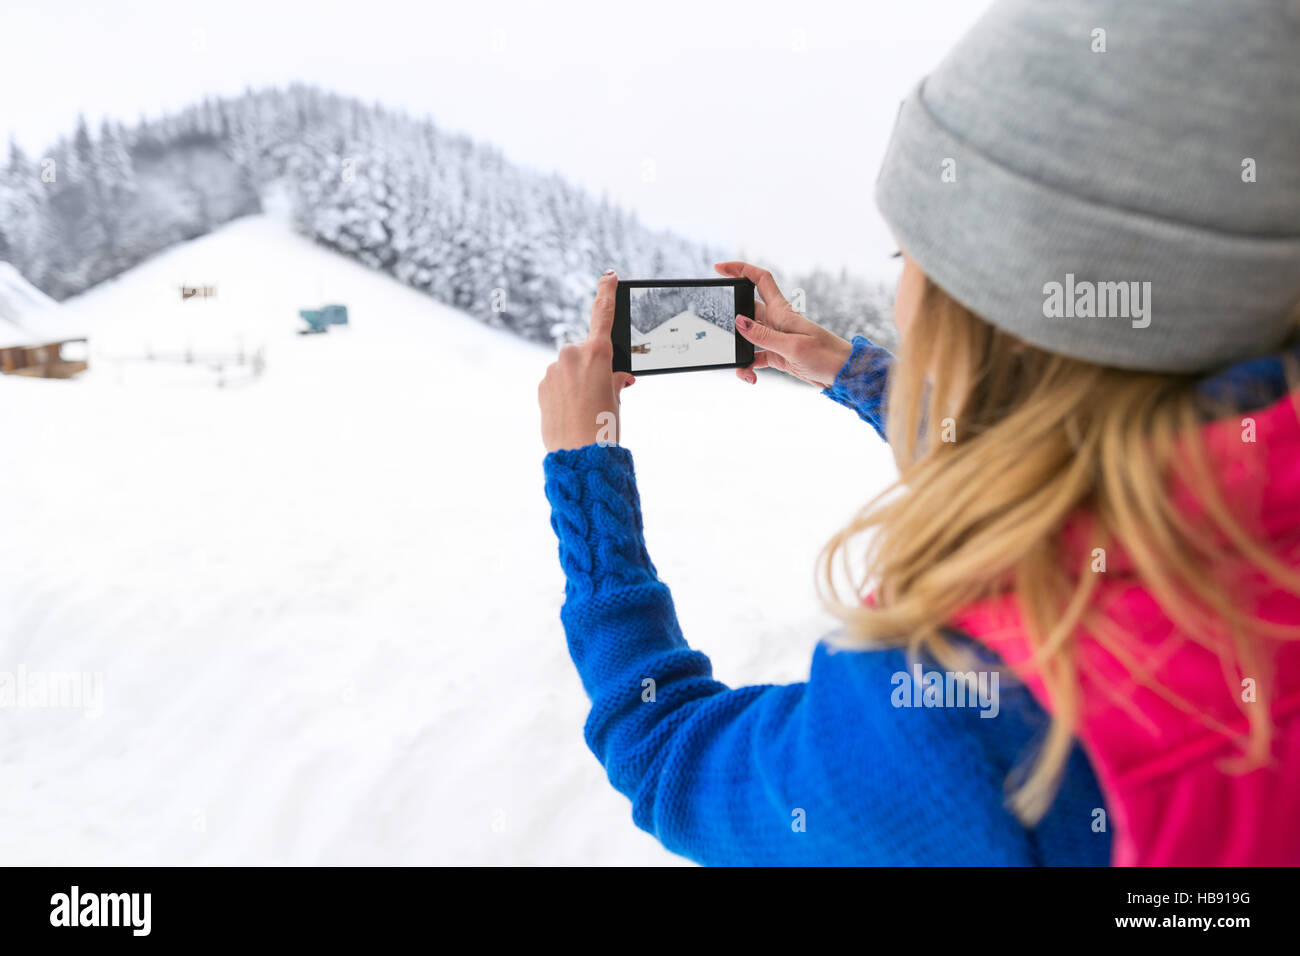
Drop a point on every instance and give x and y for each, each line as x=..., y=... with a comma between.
x=828, y=771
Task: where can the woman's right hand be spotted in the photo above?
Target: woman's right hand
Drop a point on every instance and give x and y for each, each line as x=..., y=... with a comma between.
x=792, y=343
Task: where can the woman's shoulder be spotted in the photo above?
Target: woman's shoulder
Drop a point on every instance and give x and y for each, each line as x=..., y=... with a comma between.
x=934, y=738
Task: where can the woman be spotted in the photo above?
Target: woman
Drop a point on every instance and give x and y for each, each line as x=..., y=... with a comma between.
x=1095, y=416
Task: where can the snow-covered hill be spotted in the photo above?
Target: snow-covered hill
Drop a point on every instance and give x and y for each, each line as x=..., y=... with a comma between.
x=683, y=341
x=324, y=604
x=27, y=315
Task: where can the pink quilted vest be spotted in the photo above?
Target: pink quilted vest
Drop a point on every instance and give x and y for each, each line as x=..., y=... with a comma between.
x=1169, y=799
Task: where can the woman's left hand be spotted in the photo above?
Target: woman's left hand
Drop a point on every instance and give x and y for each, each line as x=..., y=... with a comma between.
x=579, y=396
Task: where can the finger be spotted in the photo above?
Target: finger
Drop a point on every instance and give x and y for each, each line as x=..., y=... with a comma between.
x=622, y=380
x=766, y=337
x=602, y=311
x=761, y=278
x=761, y=360
x=760, y=310
x=761, y=315
x=746, y=373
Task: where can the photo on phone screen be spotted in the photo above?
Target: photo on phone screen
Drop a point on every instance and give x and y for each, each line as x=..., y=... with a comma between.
x=663, y=327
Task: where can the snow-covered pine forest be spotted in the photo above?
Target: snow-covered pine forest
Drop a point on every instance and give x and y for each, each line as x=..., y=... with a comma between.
x=514, y=247
x=651, y=307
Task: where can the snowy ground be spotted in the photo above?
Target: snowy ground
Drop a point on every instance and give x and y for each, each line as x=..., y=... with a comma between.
x=684, y=341
x=324, y=605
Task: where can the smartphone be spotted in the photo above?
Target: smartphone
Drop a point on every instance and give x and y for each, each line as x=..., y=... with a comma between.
x=680, y=325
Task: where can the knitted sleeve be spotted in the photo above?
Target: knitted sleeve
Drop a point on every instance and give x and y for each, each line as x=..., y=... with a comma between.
x=826, y=771
x=860, y=384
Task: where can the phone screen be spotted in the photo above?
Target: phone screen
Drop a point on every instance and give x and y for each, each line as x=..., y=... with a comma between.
x=680, y=327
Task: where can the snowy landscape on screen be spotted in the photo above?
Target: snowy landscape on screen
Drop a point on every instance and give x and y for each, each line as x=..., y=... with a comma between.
x=684, y=341
x=324, y=598
x=682, y=327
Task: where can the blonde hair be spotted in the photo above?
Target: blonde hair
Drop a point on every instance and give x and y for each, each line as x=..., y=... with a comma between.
x=999, y=445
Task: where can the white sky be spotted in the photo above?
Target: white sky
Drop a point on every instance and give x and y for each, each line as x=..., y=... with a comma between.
x=760, y=124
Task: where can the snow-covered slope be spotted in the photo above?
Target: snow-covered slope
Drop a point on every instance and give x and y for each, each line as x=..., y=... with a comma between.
x=324, y=604
x=683, y=341
x=27, y=315
x=19, y=297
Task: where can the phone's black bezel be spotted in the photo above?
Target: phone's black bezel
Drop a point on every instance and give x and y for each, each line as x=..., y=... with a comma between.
x=621, y=334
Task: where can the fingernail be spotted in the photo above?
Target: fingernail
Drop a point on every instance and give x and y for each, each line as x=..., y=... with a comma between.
x=743, y=322
x=608, y=272
x=630, y=381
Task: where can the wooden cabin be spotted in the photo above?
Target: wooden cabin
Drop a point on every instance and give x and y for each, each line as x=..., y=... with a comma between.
x=42, y=361
x=33, y=333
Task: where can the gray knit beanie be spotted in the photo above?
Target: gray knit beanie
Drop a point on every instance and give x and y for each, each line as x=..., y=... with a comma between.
x=1112, y=180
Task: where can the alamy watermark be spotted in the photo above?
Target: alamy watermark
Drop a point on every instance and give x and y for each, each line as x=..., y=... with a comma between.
x=130, y=910
x=25, y=689
x=946, y=689
x=1085, y=299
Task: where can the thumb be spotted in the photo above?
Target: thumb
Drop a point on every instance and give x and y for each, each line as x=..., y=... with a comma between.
x=764, y=336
